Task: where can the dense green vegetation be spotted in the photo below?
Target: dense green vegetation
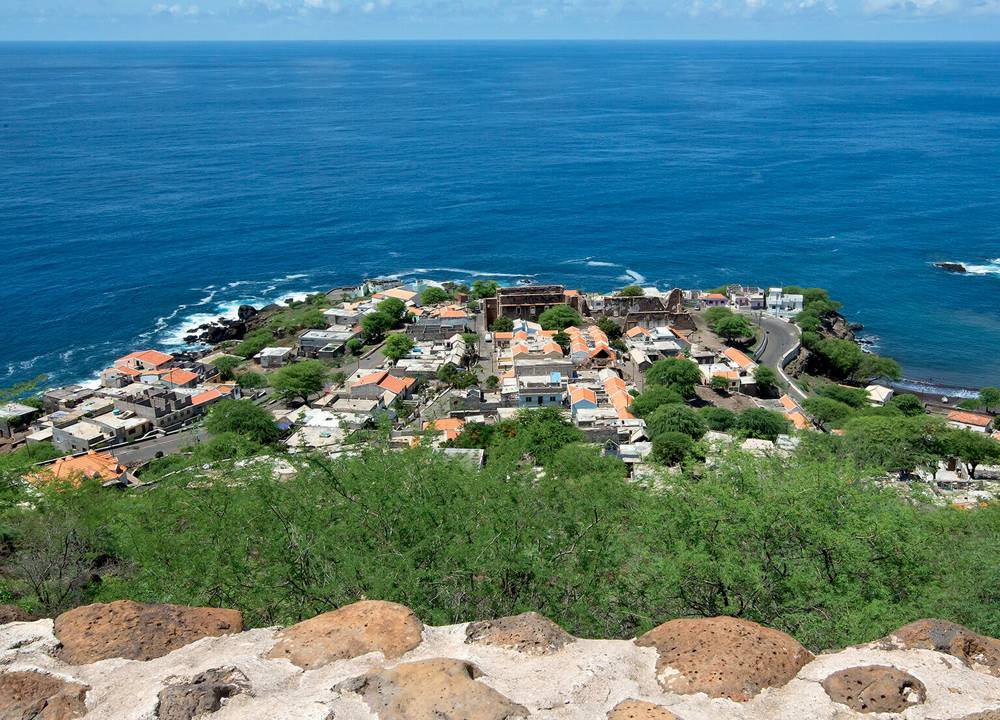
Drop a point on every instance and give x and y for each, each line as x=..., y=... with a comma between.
x=559, y=317
x=807, y=544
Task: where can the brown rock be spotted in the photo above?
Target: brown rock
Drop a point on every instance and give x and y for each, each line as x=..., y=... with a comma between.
x=38, y=696
x=723, y=657
x=137, y=631
x=985, y=715
x=438, y=689
x=204, y=694
x=12, y=613
x=875, y=688
x=529, y=633
x=353, y=630
x=977, y=651
x=639, y=710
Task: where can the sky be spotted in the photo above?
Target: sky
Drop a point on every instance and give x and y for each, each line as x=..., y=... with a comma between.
x=866, y=20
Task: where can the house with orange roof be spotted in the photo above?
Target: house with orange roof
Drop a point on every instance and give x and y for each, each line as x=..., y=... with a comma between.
x=581, y=398
x=970, y=421
x=76, y=469
x=739, y=359
x=374, y=385
x=450, y=428
x=179, y=377
x=400, y=293
x=130, y=368
x=637, y=331
x=712, y=299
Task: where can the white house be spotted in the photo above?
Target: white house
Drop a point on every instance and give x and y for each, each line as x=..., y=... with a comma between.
x=783, y=305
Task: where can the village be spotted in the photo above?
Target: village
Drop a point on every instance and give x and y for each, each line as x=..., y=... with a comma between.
x=425, y=361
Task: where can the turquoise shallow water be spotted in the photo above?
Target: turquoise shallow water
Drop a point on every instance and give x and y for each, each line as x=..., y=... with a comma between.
x=145, y=187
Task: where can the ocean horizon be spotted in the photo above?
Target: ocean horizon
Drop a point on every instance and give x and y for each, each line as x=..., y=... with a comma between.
x=147, y=188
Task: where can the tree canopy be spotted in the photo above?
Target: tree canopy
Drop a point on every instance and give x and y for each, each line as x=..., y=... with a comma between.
x=242, y=417
x=559, y=317
x=679, y=374
x=299, y=380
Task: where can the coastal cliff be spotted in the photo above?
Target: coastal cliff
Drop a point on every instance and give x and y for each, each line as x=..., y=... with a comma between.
x=377, y=660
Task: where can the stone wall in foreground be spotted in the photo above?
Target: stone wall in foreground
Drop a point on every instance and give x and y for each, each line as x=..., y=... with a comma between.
x=377, y=660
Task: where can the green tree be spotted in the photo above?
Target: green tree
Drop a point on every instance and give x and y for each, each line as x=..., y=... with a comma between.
x=718, y=419
x=562, y=340
x=734, y=327
x=672, y=448
x=653, y=397
x=456, y=377
x=855, y=397
x=766, y=380
x=253, y=343
x=719, y=383
x=972, y=448
x=397, y=346
x=226, y=365
x=375, y=325
x=677, y=373
x=484, y=289
x=676, y=418
x=434, y=296
x=392, y=308
x=355, y=346
x=503, y=324
x=251, y=380
x=908, y=404
x=716, y=314
x=243, y=418
x=559, y=317
x=893, y=444
x=610, y=328
x=827, y=411
x=843, y=357
x=299, y=380
x=762, y=424
x=873, y=367
x=631, y=291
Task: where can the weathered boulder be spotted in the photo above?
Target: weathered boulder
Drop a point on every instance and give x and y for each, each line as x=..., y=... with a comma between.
x=875, y=688
x=529, y=633
x=137, y=631
x=39, y=696
x=639, y=710
x=723, y=657
x=203, y=694
x=245, y=312
x=12, y=613
x=353, y=630
x=977, y=651
x=438, y=689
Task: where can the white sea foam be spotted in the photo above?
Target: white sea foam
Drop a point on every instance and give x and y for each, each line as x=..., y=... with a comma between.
x=993, y=268
x=459, y=271
x=633, y=276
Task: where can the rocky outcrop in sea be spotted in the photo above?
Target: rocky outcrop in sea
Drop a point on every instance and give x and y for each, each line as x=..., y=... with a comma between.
x=377, y=660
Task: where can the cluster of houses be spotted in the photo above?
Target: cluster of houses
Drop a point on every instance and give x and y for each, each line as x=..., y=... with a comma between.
x=581, y=371
x=142, y=394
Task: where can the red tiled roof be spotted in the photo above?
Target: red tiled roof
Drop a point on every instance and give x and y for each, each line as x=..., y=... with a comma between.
x=968, y=418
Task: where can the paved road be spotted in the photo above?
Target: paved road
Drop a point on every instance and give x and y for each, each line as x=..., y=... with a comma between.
x=782, y=337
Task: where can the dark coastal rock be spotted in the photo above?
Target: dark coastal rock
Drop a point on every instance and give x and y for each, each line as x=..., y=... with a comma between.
x=951, y=267
x=203, y=694
x=245, y=312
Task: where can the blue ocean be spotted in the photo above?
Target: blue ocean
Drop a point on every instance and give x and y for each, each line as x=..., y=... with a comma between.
x=145, y=188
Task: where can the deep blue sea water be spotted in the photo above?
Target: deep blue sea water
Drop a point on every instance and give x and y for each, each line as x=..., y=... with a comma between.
x=146, y=186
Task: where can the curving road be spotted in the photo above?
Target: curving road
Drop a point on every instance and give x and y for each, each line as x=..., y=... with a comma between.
x=782, y=338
